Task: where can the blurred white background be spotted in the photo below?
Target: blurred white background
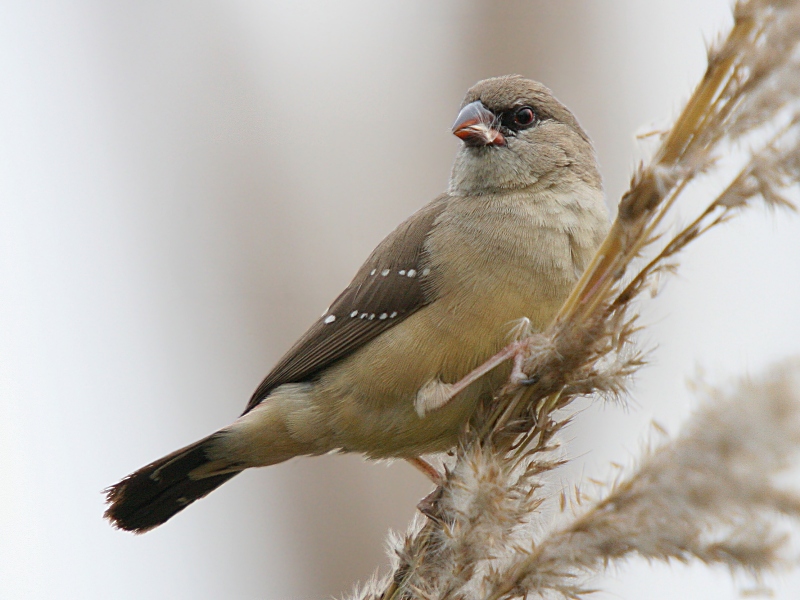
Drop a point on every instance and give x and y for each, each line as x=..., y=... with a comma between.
x=184, y=186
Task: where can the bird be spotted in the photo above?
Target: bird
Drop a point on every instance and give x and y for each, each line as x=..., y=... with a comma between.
x=521, y=218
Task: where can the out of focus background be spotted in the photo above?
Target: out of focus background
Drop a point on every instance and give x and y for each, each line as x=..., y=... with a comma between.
x=184, y=186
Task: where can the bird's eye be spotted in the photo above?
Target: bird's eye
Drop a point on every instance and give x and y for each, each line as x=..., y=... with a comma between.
x=524, y=116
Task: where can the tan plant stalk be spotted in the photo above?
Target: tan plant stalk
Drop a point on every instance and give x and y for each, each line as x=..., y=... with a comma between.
x=479, y=537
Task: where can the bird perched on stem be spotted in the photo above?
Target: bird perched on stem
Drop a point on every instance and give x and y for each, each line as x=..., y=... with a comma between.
x=379, y=372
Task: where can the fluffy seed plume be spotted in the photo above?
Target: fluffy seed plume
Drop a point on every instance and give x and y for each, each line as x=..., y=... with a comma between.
x=710, y=494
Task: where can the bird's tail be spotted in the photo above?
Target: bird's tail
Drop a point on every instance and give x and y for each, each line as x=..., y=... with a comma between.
x=153, y=494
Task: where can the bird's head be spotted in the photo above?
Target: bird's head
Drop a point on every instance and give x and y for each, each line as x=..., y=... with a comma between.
x=516, y=135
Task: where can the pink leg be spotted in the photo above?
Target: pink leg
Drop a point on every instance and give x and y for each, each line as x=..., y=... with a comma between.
x=514, y=351
x=430, y=471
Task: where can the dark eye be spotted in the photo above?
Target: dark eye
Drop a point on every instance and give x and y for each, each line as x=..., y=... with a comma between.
x=524, y=116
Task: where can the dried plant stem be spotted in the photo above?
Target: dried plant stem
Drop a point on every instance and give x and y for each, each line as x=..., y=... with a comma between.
x=476, y=540
x=696, y=114
x=709, y=494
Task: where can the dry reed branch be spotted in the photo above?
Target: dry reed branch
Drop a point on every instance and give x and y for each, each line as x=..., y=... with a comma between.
x=710, y=494
x=478, y=539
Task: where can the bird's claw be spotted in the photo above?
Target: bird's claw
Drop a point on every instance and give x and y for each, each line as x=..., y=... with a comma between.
x=518, y=376
x=428, y=506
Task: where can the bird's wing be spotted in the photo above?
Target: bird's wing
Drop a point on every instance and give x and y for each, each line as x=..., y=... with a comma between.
x=392, y=284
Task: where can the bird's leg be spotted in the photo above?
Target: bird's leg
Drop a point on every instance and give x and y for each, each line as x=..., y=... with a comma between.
x=435, y=394
x=427, y=468
x=427, y=506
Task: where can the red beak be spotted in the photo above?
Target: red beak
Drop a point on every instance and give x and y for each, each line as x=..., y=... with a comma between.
x=475, y=124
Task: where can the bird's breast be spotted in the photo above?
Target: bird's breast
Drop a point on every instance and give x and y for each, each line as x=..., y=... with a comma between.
x=504, y=258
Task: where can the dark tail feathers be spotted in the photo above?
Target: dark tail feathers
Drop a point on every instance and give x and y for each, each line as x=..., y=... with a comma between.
x=153, y=494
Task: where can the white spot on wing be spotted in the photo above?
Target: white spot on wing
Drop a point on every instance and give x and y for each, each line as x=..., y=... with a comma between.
x=393, y=315
x=412, y=273
x=383, y=316
x=372, y=316
x=385, y=272
x=425, y=271
x=401, y=272
x=363, y=316
x=354, y=313
x=329, y=319
x=373, y=271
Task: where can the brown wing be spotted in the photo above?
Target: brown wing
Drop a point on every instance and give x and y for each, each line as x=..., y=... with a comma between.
x=392, y=284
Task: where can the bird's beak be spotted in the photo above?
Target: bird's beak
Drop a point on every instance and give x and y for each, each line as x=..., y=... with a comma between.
x=475, y=125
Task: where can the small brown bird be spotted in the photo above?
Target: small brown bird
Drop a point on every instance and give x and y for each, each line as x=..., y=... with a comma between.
x=522, y=216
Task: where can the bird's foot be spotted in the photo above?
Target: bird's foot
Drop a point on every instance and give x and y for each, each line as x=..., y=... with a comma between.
x=428, y=506
x=518, y=376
